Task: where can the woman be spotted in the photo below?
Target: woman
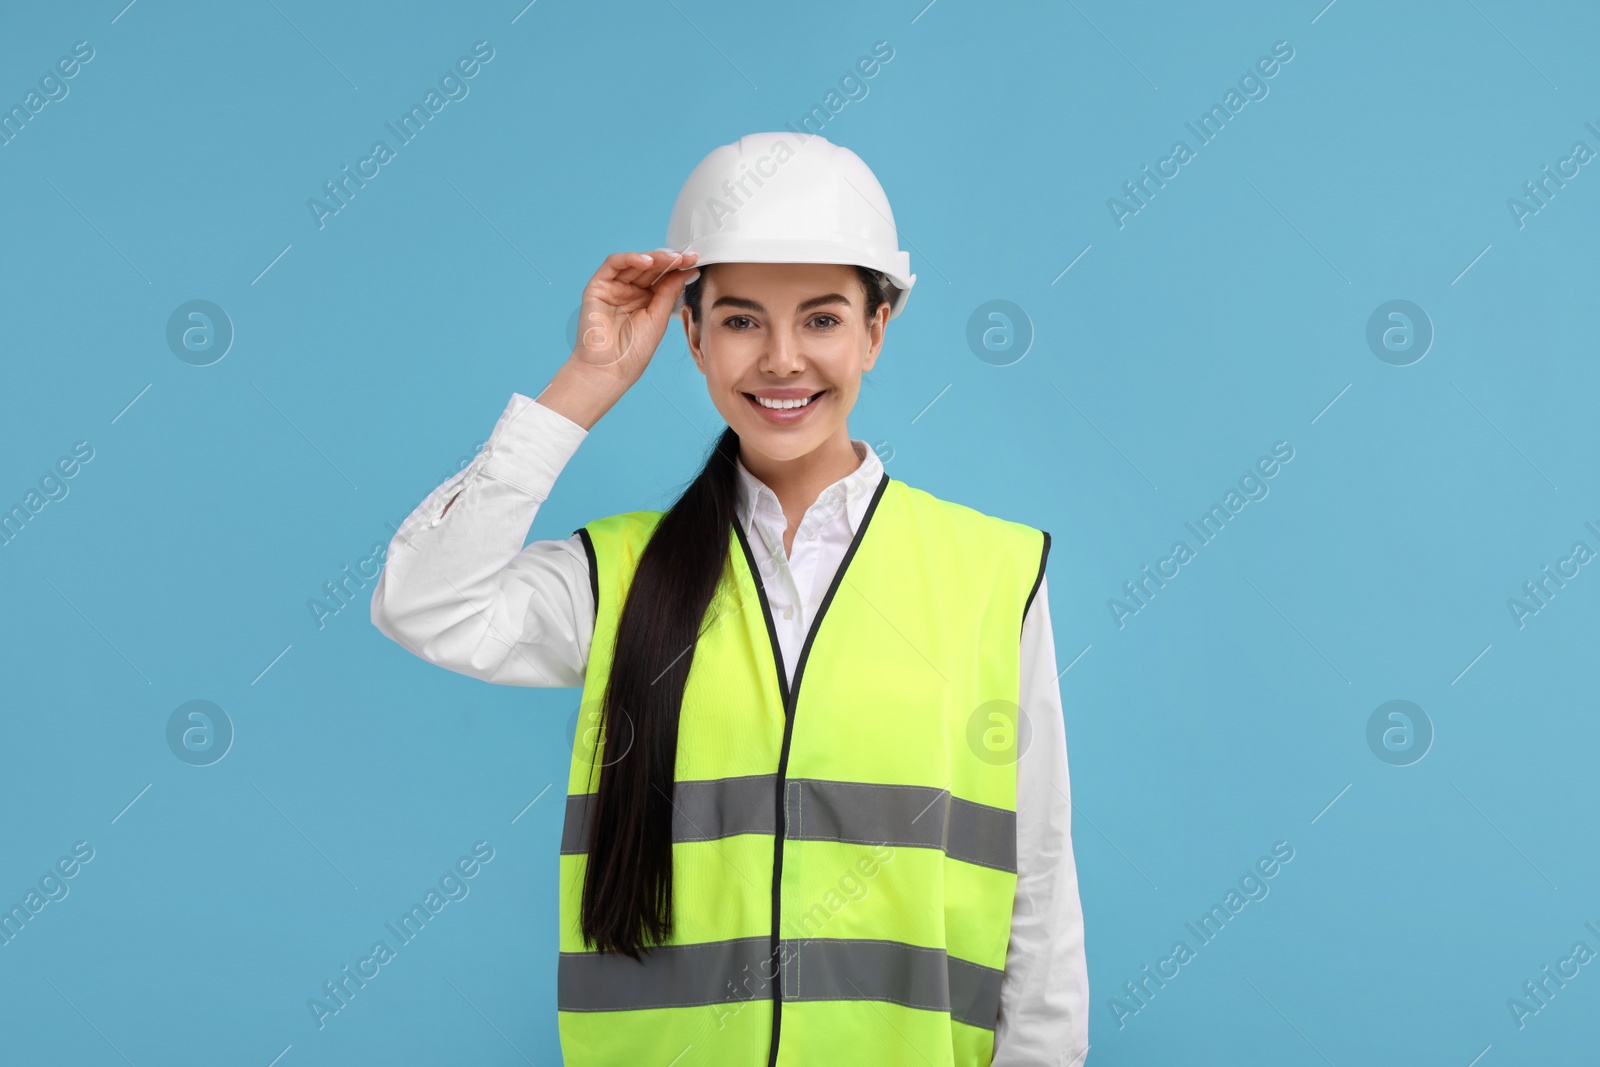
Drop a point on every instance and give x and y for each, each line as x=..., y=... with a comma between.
x=806, y=822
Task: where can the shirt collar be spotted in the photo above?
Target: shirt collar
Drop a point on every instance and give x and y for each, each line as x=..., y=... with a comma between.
x=854, y=490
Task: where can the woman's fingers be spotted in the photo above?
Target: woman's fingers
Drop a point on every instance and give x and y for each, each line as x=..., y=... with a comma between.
x=645, y=269
x=627, y=304
x=630, y=282
x=665, y=294
x=660, y=265
x=620, y=261
x=622, y=267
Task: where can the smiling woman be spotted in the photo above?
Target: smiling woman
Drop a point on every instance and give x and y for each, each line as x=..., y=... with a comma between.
x=799, y=668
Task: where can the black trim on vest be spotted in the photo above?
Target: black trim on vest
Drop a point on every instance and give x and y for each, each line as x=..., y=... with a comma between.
x=1039, y=580
x=790, y=697
x=594, y=569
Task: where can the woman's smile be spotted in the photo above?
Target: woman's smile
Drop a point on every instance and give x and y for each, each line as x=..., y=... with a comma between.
x=783, y=406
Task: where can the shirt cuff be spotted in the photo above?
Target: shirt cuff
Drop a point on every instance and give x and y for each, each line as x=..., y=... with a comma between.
x=530, y=445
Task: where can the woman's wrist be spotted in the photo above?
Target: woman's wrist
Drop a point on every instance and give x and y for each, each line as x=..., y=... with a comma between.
x=582, y=393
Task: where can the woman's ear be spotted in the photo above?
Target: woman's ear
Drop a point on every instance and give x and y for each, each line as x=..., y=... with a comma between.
x=691, y=334
x=876, y=330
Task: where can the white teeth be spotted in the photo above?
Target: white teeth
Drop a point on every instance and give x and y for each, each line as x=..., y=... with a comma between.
x=783, y=405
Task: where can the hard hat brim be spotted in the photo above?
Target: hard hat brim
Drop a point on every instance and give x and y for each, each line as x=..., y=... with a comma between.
x=733, y=247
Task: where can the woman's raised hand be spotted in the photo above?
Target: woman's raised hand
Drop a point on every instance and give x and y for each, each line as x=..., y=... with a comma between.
x=625, y=310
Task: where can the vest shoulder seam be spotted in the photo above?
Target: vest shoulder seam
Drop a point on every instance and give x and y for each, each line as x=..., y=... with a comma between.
x=1044, y=556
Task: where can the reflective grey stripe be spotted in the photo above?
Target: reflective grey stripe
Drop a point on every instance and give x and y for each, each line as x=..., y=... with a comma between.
x=826, y=968
x=670, y=976
x=983, y=835
x=818, y=809
x=814, y=969
x=702, y=810
x=974, y=993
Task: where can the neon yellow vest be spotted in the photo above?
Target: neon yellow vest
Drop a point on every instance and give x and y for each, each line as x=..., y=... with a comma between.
x=844, y=848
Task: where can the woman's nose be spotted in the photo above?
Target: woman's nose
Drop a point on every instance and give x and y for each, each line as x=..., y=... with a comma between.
x=783, y=352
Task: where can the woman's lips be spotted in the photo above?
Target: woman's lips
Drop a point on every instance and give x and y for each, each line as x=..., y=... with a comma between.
x=785, y=416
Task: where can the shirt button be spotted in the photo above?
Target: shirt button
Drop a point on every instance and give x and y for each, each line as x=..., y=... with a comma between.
x=788, y=613
x=812, y=536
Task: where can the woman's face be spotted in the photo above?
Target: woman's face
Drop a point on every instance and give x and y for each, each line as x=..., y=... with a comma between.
x=784, y=331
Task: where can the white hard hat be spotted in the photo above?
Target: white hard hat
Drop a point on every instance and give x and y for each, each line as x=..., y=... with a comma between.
x=789, y=197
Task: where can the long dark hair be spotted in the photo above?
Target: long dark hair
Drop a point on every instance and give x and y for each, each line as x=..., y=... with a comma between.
x=627, y=888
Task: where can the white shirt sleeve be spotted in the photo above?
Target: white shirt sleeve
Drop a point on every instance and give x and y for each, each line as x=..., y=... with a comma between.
x=459, y=589
x=1044, y=997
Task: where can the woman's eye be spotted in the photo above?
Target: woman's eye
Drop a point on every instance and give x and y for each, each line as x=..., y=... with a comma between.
x=732, y=321
x=828, y=321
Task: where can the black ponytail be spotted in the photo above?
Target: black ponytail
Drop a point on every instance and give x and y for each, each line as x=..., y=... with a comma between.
x=627, y=889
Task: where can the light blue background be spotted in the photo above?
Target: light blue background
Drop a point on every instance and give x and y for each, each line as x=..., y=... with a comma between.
x=373, y=357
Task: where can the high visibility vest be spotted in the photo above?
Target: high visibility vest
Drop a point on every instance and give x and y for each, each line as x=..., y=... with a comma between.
x=844, y=844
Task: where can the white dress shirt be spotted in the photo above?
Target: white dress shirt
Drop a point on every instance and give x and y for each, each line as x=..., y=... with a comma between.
x=460, y=590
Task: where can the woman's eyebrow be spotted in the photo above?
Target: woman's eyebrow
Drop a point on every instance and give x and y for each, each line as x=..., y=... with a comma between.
x=752, y=305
